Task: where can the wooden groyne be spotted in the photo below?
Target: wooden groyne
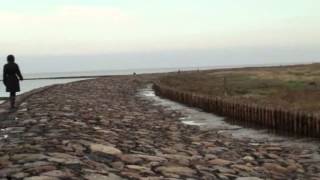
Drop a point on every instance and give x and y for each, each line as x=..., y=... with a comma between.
x=296, y=122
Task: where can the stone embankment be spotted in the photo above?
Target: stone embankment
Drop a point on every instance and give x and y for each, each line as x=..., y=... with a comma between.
x=100, y=130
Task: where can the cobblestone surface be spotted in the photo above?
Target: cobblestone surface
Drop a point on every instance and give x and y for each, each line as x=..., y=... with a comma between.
x=100, y=130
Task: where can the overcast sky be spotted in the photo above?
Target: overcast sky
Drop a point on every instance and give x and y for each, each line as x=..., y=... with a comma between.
x=56, y=31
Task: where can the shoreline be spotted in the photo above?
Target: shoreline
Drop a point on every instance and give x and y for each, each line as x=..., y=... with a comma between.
x=187, y=69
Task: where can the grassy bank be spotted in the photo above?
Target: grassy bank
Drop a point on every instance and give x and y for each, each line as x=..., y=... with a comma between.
x=290, y=87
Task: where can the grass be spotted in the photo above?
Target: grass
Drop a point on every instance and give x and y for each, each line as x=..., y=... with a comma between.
x=291, y=87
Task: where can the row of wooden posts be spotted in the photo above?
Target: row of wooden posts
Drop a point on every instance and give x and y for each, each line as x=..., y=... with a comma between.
x=294, y=122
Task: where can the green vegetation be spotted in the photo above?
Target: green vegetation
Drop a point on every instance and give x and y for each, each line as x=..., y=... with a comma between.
x=291, y=87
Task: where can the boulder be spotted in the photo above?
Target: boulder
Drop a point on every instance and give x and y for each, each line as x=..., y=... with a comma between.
x=41, y=178
x=102, y=177
x=130, y=159
x=219, y=162
x=275, y=168
x=64, y=158
x=105, y=150
x=176, y=170
x=248, y=178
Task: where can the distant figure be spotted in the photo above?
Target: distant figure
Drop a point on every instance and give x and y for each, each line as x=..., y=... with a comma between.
x=11, y=73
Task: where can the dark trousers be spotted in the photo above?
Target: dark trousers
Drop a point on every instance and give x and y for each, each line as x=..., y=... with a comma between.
x=12, y=94
x=12, y=99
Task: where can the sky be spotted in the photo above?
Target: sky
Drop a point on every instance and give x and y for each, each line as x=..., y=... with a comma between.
x=76, y=35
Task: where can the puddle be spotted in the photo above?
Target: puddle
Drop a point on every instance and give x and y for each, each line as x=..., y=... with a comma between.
x=207, y=121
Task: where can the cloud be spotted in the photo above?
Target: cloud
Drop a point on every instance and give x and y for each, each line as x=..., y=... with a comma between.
x=89, y=13
x=70, y=13
x=103, y=29
x=87, y=16
x=68, y=25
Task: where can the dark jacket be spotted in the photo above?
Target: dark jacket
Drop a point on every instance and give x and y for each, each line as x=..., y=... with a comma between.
x=11, y=72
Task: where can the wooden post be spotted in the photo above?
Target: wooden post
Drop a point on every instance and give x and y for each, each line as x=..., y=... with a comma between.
x=317, y=126
x=225, y=86
x=278, y=119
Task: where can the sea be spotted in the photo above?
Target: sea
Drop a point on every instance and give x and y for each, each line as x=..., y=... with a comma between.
x=37, y=80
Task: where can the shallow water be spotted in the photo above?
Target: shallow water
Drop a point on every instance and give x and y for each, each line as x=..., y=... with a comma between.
x=210, y=121
x=28, y=85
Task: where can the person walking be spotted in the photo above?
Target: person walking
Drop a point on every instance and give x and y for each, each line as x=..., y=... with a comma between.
x=11, y=77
